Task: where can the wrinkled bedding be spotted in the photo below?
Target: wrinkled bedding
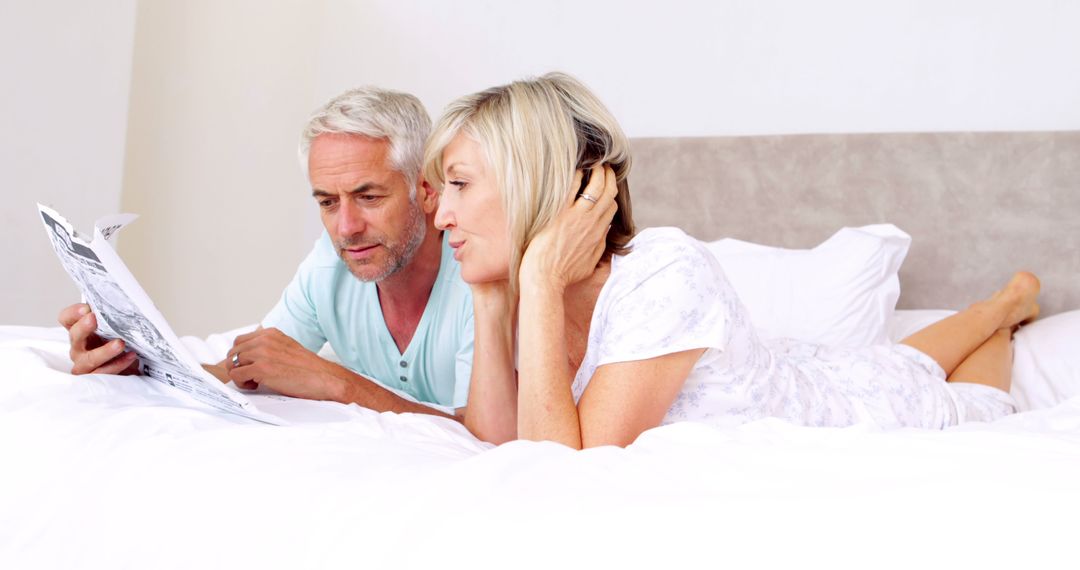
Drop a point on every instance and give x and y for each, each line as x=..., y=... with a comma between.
x=112, y=472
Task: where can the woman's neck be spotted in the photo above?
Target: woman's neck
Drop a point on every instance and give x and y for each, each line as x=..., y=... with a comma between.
x=579, y=302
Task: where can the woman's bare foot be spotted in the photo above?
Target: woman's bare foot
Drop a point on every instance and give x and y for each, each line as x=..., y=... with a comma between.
x=1021, y=295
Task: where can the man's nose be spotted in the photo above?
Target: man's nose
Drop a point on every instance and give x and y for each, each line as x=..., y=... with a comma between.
x=350, y=219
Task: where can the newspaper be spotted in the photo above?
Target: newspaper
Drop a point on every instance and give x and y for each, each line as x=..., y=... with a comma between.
x=125, y=311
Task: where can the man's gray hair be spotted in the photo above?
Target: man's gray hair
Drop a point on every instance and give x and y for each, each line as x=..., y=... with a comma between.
x=378, y=113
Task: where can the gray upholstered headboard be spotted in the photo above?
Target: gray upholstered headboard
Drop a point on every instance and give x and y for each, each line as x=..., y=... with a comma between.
x=977, y=205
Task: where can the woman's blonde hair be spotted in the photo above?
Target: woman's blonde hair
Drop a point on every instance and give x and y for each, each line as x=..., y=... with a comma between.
x=535, y=134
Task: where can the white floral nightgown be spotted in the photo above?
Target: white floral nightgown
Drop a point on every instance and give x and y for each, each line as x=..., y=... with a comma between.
x=669, y=294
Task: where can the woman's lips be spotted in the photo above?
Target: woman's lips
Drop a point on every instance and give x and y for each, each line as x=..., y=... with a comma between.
x=456, y=245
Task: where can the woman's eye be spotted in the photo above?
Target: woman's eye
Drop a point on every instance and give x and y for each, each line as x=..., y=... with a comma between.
x=459, y=184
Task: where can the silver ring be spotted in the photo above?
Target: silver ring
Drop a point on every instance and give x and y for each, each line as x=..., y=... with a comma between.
x=236, y=360
x=587, y=197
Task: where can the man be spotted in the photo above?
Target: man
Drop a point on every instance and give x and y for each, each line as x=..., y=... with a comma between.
x=381, y=285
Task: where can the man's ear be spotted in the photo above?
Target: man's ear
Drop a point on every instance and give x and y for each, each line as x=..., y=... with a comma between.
x=429, y=197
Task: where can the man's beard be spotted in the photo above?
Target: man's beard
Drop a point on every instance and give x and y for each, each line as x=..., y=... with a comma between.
x=398, y=254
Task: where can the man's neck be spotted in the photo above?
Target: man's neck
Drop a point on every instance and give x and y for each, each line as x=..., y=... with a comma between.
x=404, y=294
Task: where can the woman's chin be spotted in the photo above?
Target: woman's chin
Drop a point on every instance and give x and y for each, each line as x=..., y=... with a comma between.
x=477, y=276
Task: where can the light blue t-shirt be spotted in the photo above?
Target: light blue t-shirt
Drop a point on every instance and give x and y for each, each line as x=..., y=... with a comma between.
x=326, y=303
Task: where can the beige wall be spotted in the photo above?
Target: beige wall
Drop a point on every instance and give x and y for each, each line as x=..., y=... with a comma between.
x=219, y=93
x=65, y=68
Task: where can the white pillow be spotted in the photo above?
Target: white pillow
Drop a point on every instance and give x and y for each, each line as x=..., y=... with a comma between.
x=1046, y=362
x=841, y=293
x=907, y=322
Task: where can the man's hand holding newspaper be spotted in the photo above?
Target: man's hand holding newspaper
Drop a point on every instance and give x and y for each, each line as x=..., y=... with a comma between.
x=118, y=330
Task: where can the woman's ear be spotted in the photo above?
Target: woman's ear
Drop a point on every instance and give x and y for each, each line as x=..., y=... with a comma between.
x=429, y=197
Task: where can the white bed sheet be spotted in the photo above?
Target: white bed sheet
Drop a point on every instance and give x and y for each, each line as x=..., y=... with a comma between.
x=109, y=472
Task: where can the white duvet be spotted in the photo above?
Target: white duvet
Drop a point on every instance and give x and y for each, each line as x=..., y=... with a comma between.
x=109, y=472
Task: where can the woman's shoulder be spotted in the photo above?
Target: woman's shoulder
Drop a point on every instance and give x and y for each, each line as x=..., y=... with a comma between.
x=664, y=296
x=663, y=246
x=663, y=255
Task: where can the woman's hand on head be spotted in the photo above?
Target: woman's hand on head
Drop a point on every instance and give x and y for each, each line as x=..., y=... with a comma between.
x=568, y=250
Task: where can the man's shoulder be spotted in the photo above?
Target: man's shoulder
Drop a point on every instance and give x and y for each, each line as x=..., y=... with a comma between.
x=322, y=273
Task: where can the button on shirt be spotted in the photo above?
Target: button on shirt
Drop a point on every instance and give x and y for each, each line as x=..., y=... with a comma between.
x=326, y=303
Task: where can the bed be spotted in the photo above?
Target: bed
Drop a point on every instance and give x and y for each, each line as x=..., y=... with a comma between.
x=108, y=472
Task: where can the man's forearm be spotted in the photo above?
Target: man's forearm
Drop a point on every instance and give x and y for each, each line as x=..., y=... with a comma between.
x=352, y=388
x=356, y=389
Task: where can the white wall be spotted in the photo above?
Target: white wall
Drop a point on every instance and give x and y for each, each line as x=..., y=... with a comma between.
x=692, y=67
x=730, y=67
x=219, y=94
x=221, y=89
x=65, y=68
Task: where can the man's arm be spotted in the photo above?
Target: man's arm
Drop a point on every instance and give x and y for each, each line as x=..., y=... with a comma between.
x=301, y=373
x=271, y=358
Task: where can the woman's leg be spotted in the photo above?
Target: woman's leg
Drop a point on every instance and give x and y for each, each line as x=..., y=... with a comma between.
x=990, y=364
x=951, y=341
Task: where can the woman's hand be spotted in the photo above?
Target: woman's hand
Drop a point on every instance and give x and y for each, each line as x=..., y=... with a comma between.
x=568, y=250
x=493, y=296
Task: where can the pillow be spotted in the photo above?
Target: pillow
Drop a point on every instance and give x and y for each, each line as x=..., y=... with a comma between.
x=840, y=293
x=905, y=323
x=1046, y=363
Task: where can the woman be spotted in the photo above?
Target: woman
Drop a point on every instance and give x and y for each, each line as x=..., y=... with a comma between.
x=617, y=333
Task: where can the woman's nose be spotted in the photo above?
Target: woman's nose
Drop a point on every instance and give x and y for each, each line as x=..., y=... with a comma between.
x=444, y=216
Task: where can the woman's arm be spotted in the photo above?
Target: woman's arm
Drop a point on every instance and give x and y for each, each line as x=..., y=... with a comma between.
x=564, y=253
x=546, y=409
x=492, y=410
x=624, y=399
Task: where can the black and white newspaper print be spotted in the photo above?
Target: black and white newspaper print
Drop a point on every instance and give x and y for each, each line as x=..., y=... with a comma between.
x=125, y=311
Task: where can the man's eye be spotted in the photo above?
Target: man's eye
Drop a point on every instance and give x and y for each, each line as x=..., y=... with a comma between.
x=325, y=203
